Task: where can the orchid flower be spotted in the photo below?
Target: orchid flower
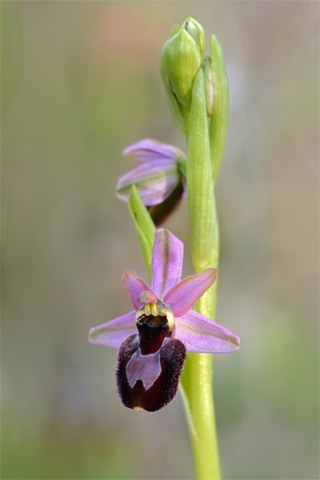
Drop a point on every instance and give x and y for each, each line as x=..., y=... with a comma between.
x=154, y=337
x=160, y=177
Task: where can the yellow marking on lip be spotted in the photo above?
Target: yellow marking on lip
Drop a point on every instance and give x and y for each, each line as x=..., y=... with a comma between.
x=137, y=409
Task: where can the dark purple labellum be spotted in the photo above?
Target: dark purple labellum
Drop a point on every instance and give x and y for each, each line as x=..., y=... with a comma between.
x=149, y=366
x=152, y=331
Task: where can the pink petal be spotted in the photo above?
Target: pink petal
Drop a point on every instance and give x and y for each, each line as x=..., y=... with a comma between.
x=154, y=181
x=134, y=286
x=167, y=259
x=181, y=298
x=199, y=334
x=114, y=332
x=149, y=150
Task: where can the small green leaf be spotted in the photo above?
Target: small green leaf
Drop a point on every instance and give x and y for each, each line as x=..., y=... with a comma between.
x=144, y=226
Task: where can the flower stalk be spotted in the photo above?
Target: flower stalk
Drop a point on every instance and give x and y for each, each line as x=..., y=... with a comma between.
x=199, y=99
x=172, y=327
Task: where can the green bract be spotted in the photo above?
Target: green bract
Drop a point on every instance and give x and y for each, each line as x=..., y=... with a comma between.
x=144, y=226
x=220, y=111
x=199, y=181
x=208, y=85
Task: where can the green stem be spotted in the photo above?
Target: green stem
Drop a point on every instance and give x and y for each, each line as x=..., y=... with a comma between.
x=203, y=435
x=197, y=396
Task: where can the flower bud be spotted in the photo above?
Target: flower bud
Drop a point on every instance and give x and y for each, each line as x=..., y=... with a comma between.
x=180, y=62
x=197, y=33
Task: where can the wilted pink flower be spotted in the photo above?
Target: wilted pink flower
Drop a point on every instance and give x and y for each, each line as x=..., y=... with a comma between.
x=158, y=178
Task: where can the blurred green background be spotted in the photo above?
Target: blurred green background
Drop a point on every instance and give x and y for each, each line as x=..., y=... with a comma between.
x=80, y=82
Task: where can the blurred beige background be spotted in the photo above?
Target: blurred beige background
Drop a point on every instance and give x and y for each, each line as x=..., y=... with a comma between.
x=80, y=82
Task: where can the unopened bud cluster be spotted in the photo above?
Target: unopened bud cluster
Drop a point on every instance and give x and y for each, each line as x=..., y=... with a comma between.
x=181, y=58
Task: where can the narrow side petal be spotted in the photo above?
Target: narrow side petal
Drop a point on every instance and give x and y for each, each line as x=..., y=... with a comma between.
x=199, y=334
x=154, y=181
x=150, y=150
x=167, y=259
x=114, y=332
x=181, y=298
x=134, y=286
